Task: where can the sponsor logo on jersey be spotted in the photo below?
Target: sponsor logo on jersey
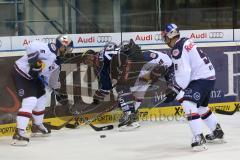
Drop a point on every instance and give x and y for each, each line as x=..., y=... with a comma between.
x=175, y=52
x=197, y=96
x=188, y=91
x=189, y=46
x=53, y=47
x=104, y=39
x=153, y=55
x=21, y=92
x=216, y=35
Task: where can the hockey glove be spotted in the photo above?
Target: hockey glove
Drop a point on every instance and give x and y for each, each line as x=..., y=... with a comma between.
x=170, y=96
x=99, y=96
x=35, y=69
x=157, y=72
x=61, y=98
x=173, y=92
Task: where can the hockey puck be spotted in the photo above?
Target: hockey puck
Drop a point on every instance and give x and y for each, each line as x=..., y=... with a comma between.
x=103, y=136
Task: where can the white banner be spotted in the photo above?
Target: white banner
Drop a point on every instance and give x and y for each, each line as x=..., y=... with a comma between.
x=100, y=39
x=216, y=35
x=143, y=38
x=20, y=42
x=95, y=40
x=237, y=34
x=5, y=44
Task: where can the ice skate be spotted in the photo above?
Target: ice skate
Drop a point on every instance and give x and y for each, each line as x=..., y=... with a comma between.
x=40, y=131
x=217, y=136
x=198, y=143
x=19, y=138
x=128, y=121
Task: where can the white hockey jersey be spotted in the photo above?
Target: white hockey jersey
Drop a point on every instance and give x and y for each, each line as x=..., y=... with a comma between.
x=38, y=50
x=190, y=63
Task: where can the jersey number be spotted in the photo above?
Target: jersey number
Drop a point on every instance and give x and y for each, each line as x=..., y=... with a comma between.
x=205, y=58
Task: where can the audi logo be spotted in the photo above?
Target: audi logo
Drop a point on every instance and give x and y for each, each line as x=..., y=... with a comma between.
x=158, y=37
x=48, y=40
x=216, y=35
x=104, y=39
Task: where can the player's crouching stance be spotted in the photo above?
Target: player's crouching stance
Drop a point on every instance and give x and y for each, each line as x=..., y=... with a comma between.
x=194, y=81
x=119, y=63
x=40, y=66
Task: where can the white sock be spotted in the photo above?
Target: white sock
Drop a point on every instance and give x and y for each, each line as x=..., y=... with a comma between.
x=190, y=109
x=208, y=117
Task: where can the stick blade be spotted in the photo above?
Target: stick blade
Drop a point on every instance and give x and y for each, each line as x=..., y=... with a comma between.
x=103, y=128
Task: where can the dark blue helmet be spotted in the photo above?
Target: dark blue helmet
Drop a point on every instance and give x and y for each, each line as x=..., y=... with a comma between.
x=64, y=40
x=171, y=30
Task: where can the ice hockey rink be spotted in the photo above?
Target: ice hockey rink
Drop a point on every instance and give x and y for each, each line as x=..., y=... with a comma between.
x=162, y=140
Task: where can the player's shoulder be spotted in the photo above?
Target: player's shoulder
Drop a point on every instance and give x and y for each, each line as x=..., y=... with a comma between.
x=178, y=48
x=34, y=47
x=151, y=54
x=52, y=47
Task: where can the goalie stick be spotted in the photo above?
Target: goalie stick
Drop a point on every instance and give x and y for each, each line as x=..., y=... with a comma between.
x=219, y=111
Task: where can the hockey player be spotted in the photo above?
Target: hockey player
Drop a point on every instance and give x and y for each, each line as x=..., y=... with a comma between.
x=133, y=71
x=117, y=63
x=194, y=81
x=31, y=74
x=158, y=65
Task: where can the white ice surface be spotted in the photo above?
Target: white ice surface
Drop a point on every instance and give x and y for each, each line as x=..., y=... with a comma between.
x=152, y=141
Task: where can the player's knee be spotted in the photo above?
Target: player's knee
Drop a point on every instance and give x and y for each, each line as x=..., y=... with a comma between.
x=41, y=103
x=204, y=112
x=29, y=103
x=189, y=107
x=190, y=110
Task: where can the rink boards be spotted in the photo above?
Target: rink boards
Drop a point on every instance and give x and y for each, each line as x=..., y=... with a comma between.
x=225, y=56
x=163, y=114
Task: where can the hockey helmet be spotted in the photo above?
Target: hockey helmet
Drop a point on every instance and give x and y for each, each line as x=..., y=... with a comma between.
x=111, y=46
x=64, y=44
x=170, y=31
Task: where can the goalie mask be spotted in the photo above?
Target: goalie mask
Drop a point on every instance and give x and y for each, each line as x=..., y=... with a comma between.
x=64, y=45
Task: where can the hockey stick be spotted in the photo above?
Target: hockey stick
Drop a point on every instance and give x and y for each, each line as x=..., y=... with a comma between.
x=53, y=127
x=89, y=122
x=159, y=102
x=219, y=111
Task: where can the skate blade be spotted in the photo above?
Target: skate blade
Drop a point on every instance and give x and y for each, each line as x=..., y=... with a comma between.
x=131, y=127
x=40, y=135
x=19, y=143
x=217, y=141
x=200, y=148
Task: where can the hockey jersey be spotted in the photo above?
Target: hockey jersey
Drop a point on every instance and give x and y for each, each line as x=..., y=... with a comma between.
x=38, y=50
x=190, y=63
